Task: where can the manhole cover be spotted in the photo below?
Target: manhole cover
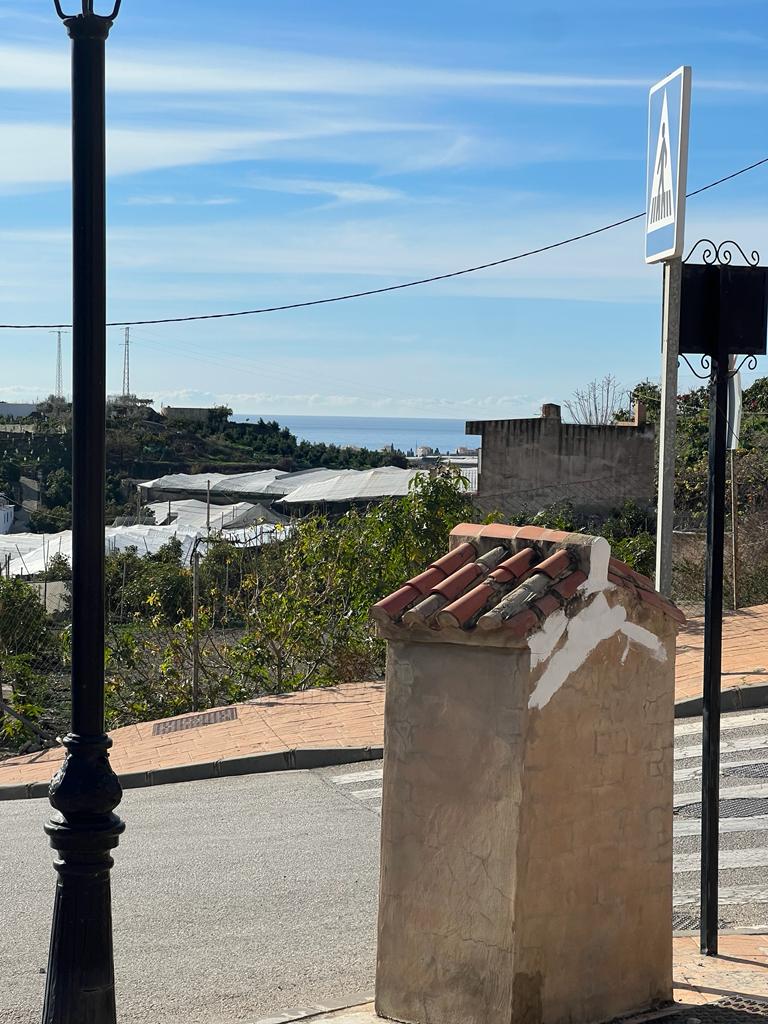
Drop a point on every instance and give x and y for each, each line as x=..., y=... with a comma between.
x=194, y=721
x=744, y=807
x=759, y=770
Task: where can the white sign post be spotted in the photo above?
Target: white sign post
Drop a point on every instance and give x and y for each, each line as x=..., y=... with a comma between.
x=669, y=104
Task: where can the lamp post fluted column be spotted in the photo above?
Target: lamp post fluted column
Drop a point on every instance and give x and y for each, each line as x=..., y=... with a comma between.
x=85, y=791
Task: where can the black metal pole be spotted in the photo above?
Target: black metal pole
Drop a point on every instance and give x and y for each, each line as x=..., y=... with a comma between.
x=85, y=791
x=713, y=640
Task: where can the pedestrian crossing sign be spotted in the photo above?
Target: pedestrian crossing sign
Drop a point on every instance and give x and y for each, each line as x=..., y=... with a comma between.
x=669, y=105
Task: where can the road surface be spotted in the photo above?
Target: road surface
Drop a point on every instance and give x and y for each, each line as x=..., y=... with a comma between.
x=236, y=899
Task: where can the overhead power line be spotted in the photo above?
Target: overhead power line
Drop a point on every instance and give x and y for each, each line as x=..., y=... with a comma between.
x=395, y=287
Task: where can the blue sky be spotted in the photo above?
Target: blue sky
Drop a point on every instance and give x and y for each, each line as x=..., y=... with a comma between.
x=266, y=153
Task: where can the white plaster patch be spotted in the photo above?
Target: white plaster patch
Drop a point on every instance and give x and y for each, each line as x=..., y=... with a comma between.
x=646, y=639
x=593, y=624
x=544, y=640
x=599, y=557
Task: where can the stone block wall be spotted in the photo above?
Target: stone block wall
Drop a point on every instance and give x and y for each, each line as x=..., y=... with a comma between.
x=532, y=463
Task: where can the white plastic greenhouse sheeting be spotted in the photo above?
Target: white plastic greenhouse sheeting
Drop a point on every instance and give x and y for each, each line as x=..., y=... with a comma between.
x=31, y=552
x=355, y=485
x=194, y=514
x=264, y=483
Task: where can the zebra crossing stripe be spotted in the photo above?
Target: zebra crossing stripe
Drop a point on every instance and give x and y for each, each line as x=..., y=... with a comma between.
x=727, y=746
x=727, y=722
x=727, y=859
x=726, y=793
x=351, y=777
x=692, y=826
x=733, y=895
x=366, y=794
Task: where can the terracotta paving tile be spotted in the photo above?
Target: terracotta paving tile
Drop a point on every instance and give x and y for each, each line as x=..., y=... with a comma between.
x=741, y=968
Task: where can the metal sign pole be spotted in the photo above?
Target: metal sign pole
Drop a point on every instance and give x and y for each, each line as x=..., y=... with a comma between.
x=713, y=642
x=724, y=313
x=668, y=425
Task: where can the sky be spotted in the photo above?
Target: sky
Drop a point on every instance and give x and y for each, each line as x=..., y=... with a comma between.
x=261, y=154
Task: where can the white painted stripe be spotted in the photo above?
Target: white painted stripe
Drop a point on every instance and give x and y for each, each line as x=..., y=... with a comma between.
x=733, y=895
x=692, y=826
x=344, y=780
x=726, y=793
x=728, y=859
x=366, y=794
x=727, y=746
x=684, y=727
x=689, y=774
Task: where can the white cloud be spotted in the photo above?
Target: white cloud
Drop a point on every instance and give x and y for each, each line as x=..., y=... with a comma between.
x=238, y=71
x=342, y=191
x=39, y=153
x=154, y=200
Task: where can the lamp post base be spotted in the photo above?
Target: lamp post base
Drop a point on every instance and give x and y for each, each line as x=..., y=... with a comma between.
x=80, y=984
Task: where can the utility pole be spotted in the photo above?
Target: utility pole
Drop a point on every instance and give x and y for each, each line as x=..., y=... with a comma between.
x=127, y=363
x=195, y=628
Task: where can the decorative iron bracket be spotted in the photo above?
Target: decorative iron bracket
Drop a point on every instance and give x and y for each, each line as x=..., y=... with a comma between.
x=722, y=255
x=706, y=364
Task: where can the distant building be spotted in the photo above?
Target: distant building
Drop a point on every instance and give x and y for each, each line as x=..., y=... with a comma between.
x=423, y=450
x=532, y=463
x=177, y=413
x=7, y=514
x=17, y=410
x=130, y=407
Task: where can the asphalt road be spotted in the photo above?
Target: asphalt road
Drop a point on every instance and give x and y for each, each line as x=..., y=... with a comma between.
x=233, y=899
x=237, y=899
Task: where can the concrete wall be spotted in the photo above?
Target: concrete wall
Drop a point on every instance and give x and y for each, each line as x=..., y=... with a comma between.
x=531, y=463
x=526, y=871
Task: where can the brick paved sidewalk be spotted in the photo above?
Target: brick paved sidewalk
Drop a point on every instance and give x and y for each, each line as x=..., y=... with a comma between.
x=745, y=652
x=351, y=715
x=740, y=969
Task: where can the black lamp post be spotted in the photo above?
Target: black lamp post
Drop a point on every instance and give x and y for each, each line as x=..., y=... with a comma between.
x=80, y=983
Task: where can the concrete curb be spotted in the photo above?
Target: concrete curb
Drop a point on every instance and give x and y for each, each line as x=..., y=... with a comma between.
x=301, y=759
x=736, y=698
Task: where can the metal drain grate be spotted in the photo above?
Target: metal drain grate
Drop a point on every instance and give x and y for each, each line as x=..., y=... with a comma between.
x=683, y=921
x=744, y=807
x=194, y=721
x=759, y=770
x=726, y=1011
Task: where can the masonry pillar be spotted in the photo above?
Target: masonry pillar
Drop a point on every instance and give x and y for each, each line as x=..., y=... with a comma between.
x=526, y=870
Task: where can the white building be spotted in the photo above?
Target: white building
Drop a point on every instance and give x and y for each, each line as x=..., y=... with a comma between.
x=6, y=514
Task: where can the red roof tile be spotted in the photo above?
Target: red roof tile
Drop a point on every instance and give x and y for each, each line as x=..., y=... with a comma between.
x=529, y=573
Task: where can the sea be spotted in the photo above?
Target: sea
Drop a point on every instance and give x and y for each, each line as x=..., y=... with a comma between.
x=373, y=432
